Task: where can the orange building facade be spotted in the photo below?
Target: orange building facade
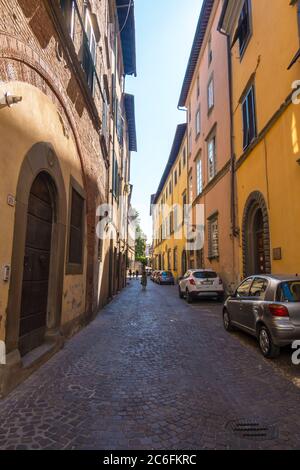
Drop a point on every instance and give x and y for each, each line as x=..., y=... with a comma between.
x=205, y=95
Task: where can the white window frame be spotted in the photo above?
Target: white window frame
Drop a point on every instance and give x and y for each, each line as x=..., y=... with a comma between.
x=211, y=157
x=199, y=176
x=210, y=94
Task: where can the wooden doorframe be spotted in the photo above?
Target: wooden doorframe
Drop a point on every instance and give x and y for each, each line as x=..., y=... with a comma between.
x=40, y=158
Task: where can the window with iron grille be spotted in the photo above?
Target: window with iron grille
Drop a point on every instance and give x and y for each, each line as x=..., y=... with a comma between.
x=213, y=234
x=249, y=118
x=211, y=150
x=75, y=254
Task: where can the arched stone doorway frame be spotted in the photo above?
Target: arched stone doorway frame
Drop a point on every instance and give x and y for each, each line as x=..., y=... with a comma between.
x=255, y=202
x=41, y=158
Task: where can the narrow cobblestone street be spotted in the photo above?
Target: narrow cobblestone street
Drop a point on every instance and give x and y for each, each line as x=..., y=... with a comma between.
x=152, y=372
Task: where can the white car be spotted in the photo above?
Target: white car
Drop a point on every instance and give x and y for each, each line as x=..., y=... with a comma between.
x=201, y=283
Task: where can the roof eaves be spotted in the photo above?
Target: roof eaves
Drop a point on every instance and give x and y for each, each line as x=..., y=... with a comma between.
x=178, y=139
x=196, y=48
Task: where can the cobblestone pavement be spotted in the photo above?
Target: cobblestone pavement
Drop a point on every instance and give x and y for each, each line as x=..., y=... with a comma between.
x=152, y=372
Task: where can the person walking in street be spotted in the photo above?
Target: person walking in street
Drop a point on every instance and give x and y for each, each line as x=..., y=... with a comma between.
x=130, y=274
x=144, y=280
x=137, y=274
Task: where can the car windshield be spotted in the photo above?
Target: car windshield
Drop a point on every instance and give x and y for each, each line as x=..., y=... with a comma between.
x=289, y=291
x=205, y=275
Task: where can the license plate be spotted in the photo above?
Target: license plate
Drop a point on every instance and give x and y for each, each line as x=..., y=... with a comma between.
x=207, y=283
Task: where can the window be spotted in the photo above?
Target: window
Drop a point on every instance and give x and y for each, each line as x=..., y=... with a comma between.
x=89, y=51
x=249, y=118
x=190, y=142
x=179, y=169
x=171, y=222
x=184, y=157
x=170, y=187
x=115, y=185
x=199, y=177
x=190, y=113
x=68, y=9
x=289, y=291
x=210, y=52
x=175, y=218
x=211, y=148
x=184, y=201
x=191, y=188
x=175, y=259
x=210, y=94
x=198, y=86
x=244, y=30
x=258, y=288
x=213, y=229
x=76, y=227
x=198, y=123
x=169, y=260
x=243, y=290
x=120, y=125
x=175, y=178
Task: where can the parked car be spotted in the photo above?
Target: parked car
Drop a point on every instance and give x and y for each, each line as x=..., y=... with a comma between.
x=153, y=275
x=199, y=283
x=165, y=277
x=267, y=307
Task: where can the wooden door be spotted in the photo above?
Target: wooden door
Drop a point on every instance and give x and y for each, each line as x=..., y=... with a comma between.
x=36, y=266
x=260, y=255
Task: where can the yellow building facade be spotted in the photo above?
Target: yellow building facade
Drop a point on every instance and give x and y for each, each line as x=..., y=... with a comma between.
x=264, y=40
x=169, y=250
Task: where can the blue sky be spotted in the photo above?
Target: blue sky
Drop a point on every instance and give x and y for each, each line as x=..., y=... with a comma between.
x=164, y=34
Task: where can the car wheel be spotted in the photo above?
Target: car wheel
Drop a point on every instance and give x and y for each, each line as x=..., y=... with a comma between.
x=227, y=322
x=189, y=297
x=267, y=347
x=180, y=293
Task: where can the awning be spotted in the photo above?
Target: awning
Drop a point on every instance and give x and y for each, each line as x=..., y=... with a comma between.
x=126, y=18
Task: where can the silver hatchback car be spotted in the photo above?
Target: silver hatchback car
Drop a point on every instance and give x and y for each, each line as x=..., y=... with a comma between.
x=267, y=307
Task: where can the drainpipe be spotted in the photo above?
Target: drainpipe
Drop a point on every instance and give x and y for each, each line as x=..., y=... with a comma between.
x=234, y=229
x=187, y=166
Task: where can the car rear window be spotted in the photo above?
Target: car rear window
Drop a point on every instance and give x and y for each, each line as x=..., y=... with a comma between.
x=289, y=291
x=205, y=275
x=166, y=273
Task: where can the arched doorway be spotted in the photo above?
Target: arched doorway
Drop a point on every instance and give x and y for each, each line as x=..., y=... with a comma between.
x=35, y=285
x=41, y=195
x=256, y=236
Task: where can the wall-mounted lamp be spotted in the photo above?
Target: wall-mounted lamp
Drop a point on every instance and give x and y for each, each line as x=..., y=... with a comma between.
x=298, y=161
x=9, y=100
